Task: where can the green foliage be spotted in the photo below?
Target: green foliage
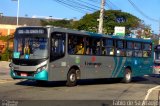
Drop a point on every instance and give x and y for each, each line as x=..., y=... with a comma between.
x=58, y=23
x=6, y=38
x=155, y=41
x=89, y=21
x=6, y=55
x=43, y=22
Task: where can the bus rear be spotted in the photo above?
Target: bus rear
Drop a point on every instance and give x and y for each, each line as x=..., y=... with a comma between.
x=30, y=55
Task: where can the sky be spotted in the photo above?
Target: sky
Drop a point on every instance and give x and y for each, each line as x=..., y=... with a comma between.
x=46, y=8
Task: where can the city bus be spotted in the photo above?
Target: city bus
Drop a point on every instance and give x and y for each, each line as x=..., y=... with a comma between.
x=156, y=69
x=60, y=54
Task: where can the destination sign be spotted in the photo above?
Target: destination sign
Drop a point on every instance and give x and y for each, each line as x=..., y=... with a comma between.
x=31, y=31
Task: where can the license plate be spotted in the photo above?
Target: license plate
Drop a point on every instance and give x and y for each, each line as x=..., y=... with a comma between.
x=24, y=74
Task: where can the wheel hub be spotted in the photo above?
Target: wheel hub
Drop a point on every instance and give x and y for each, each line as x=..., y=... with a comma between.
x=72, y=77
x=128, y=75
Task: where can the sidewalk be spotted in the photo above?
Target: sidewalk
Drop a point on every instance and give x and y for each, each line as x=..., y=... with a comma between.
x=4, y=70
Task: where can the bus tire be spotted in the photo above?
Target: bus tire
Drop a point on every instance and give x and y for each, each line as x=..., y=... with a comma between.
x=127, y=75
x=71, y=78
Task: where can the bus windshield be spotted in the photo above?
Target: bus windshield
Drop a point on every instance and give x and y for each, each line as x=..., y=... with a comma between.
x=30, y=47
x=157, y=55
x=157, y=52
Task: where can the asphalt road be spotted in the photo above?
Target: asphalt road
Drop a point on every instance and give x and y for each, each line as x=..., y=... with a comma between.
x=108, y=89
x=86, y=93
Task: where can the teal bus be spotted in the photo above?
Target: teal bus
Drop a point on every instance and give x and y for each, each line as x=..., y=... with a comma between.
x=59, y=54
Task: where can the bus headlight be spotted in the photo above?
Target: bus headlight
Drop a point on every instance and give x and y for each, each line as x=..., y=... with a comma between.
x=12, y=68
x=41, y=68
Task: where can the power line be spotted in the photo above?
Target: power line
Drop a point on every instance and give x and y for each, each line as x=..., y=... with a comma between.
x=97, y=1
x=94, y=6
x=84, y=6
x=77, y=5
x=113, y=5
x=69, y=6
x=107, y=5
x=141, y=12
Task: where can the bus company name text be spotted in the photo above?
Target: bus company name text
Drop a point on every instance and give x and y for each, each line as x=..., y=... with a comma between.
x=92, y=64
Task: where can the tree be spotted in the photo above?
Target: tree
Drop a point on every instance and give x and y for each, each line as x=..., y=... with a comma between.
x=144, y=31
x=88, y=22
x=58, y=23
x=112, y=18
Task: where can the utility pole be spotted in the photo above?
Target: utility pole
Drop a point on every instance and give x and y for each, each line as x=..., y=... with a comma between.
x=159, y=33
x=100, y=29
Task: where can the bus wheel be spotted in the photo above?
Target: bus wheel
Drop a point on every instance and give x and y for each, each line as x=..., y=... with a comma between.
x=127, y=76
x=71, y=78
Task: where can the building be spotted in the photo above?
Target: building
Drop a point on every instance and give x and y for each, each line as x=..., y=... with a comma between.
x=9, y=24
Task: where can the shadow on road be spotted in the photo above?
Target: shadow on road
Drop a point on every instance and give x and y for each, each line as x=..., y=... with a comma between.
x=137, y=80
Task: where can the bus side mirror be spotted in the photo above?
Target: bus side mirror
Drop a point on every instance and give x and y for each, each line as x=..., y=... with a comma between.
x=10, y=64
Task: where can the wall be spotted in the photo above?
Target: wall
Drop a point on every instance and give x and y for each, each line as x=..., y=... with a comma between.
x=7, y=29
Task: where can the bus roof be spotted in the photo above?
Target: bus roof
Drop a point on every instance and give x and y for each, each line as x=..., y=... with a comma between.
x=59, y=29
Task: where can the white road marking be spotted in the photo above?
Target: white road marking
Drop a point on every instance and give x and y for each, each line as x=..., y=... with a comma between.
x=148, y=93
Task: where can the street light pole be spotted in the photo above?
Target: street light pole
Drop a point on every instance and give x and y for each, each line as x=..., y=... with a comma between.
x=17, y=11
x=159, y=27
x=159, y=32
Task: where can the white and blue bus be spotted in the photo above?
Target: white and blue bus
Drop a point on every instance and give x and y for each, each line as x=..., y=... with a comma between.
x=156, y=69
x=59, y=54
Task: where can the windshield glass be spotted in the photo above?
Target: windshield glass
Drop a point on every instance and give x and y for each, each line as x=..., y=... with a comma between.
x=30, y=48
x=157, y=55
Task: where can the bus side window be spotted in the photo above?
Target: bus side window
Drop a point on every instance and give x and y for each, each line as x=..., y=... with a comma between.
x=146, y=50
x=107, y=47
x=75, y=44
x=88, y=46
x=120, y=48
x=57, y=45
x=98, y=47
x=111, y=51
x=93, y=46
x=137, y=49
x=80, y=45
x=129, y=46
x=80, y=48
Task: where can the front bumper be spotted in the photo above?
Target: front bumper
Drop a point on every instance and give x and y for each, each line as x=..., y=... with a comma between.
x=43, y=75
